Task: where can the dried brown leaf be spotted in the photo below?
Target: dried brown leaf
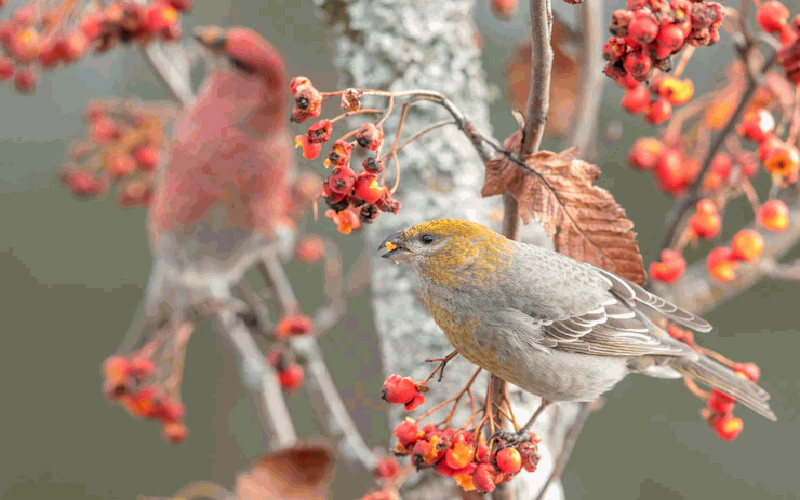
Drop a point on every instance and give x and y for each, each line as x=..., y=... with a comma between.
x=583, y=219
x=300, y=473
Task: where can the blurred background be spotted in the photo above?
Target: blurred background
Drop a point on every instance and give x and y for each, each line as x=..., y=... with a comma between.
x=73, y=273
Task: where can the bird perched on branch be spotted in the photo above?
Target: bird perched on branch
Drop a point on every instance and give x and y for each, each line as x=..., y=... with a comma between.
x=558, y=328
x=222, y=193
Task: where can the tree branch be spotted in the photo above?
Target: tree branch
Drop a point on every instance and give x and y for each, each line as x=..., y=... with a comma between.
x=541, y=64
x=698, y=292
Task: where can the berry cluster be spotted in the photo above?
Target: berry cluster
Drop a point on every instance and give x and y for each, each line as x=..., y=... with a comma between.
x=645, y=35
x=290, y=374
x=672, y=170
x=36, y=36
x=123, y=148
x=125, y=383
x=404, y=391
x=772, y=17
x=458, y=454
x=353, y=198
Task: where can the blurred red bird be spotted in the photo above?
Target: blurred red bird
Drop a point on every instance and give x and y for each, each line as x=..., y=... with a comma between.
x=222, y=194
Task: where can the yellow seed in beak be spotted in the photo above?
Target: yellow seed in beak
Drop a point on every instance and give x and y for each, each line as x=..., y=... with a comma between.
x=390, y=246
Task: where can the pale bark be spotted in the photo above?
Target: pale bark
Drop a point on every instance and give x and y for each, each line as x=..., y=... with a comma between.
x=403, y=45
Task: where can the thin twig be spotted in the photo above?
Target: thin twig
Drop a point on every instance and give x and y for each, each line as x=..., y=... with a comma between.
x=260, y=377
x=172, y=69
x=542, y=61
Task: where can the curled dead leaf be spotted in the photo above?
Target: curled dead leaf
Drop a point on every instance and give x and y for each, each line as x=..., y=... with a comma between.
x=583, y=219
x=299, y=473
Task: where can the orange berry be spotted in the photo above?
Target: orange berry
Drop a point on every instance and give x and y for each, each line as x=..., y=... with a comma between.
x=719, y=402
x=767, y=146
x=670, y=268
x=757, y=125
x=783, y=159
x=120, y=166
x=747, y=245
x=399, y=390
x=705, y=224
x=310, y=249
x=509, y=460
x=298, y=324
x=292, y=377
x=750, y=371
x=504, y=9
x=459, y=455
x=141, y=367
x=728, y=427
x=774, y=215
x=706, y=206
x=25, y=45
x=722, y=264
x=407, y=432
x=659, y=112
x=675, y=91
x=636, y=100
x=669, y=172
x=645, y=152
x=772, y=16
x=174, y=432
x=387, y=468
x=367, y=187
x=146, y=157
x=116, y=368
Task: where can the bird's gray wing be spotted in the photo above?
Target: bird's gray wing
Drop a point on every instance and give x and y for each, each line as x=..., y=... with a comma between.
x=613, y=328
x=633, y=293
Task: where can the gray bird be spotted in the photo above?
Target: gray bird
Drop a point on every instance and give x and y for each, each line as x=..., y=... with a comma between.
x=561, y=329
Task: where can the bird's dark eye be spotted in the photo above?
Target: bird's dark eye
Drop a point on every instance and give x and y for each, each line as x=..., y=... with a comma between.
x=243, y=66
x=427, y=239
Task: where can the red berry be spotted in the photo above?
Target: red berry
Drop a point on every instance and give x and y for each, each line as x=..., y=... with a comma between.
x=722, y=264
x=509, y=460
x=292, y=377
x=774, y=215
x=660, y=110
x=751, y=371
x=298, y=324
x=174, y=411
x=637, y=63
x=407, y=432
x=120, y=166
x=181, y=5
x=415, y=403
x=74, y=46
x=747, y=245
x=680, y=334
x=367, y=188
x=757, y=125
x=342, y=179
x=719, y=402
x=643, y=28
x=399, y=390
x=25, y=80
x=174, y=432
x=669, y=172
x=670, y=268
x=387, y=468
x=116, y=368
x=705, y=225
x=25, y=45
x=772, y=16
x=6, y=68
x=671, y=36
x=636, y=100
x=645, y=152
x=728, y=427
x=92, y=25
x=310, y=249
x=484, y=478
x=159, y=16
x=505, y=9
x=147, y=402
x=146, y=157
x=141, y=367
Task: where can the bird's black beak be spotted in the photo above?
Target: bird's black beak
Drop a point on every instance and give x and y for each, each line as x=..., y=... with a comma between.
x=212, y=38
x=396, y=251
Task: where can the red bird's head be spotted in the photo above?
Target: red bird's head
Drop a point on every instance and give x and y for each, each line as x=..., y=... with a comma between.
x=255, y=78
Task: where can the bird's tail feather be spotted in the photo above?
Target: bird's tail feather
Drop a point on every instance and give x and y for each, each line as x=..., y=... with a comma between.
x=718, y=376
